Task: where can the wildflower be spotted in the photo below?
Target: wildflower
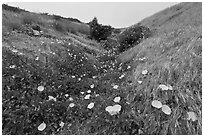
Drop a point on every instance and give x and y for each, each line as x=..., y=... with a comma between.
x=191, y=116
x=61, y=124
x=122, y=76
x=156, y=104
x=37, y=58
x=41, y=88
x=12, y=66
x=115, y=86
x=91, y=105
x=144, y=72
x=92, y=86
x=140, y=82
x=71, y=105
x=87, y=96
x=71, y=99
x=94, y=77
x=89, y=91
x=163, y=87
x=66, y=95
x=52, y=98
x=166, y=109
x=14, y=50
x=42, y=126
x=113, y=110
x=117, y=99
x=97, y=95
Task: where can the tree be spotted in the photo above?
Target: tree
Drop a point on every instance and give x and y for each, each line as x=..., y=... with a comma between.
x=132, y=36
x=98, y=31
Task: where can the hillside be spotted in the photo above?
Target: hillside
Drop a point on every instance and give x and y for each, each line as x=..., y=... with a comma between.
x=142, y=80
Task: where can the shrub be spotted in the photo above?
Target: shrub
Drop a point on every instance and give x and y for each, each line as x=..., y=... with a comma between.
x=59, y=26
x=30, y=19
x=132, y=36
x=15, y=25
x=98, y=31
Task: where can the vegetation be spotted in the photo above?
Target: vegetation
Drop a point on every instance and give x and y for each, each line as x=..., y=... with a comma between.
x=49, y=81
x=98, y=31
x=13, y=9
x=132, y=36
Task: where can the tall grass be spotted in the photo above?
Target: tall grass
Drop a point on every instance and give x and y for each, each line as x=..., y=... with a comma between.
x=172, y=59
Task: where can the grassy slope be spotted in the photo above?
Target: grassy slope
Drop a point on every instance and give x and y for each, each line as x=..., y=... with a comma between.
x=173, y=56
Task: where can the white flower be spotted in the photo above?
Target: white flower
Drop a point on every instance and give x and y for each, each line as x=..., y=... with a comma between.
x=156, y=104
x=89, y=91
x=42, y=126
x=71, y=99
x=71, y=105
x=61, y=124
x=14, y=50
x=12, y=66
x=91, y=105
x=37, y=58
x=73, y=76
x=92, y=86
x=122, y=76
x=87, y=96
x=97, y=95
x=140, y=82
x=94, y=77
x=113, y=110
x=115, y=86
x=52, y=98
x=163, y=87
x=166, y=109
x=191, y=116
x=82, y=93
x=41, y=88
x=66, y=95
x=144, y=72
x=128, y=67
x=116, y=99
x=141, y=59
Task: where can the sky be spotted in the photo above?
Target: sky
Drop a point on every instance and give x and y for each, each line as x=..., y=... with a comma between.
x=116, y=14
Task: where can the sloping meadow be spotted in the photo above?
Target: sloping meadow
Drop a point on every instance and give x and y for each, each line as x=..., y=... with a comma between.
x=173, y=57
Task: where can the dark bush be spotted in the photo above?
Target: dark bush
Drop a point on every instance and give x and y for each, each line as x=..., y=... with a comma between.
x=98, y=31
x=132, y=36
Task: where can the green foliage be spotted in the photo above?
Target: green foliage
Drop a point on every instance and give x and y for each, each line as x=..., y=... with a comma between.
x=98, y=31
x=132, y=36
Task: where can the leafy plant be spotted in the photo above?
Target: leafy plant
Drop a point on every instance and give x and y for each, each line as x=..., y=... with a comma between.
x=132, y=36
